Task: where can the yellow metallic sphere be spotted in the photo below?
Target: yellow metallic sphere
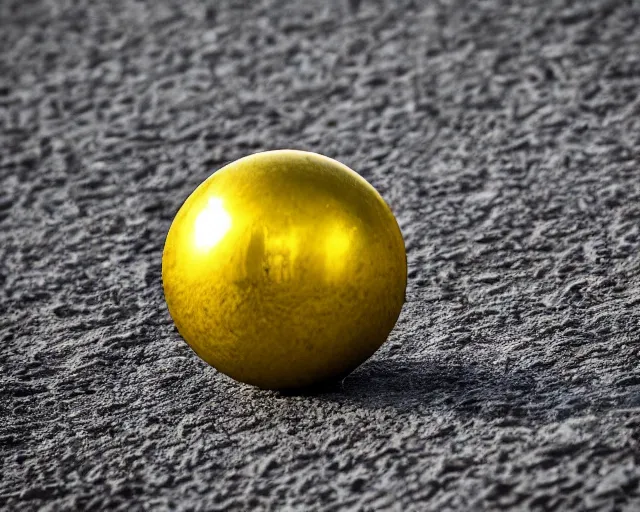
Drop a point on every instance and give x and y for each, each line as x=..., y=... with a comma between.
x=284, y=269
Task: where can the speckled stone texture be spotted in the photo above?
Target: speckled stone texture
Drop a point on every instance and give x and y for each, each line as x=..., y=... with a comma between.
x=504, y=135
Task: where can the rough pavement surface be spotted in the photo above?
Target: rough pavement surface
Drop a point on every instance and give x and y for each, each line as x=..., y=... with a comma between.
x=505, y=135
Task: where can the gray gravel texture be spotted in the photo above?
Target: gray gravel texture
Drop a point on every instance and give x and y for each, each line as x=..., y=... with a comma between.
x=505, y=135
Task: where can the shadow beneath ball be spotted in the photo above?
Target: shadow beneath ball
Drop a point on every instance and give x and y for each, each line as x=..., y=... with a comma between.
x=468, y=388
x=326, y=387
x=323, y=388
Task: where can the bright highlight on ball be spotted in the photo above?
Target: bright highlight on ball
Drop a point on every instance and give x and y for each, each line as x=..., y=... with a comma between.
x=211, y=224
x=284, y=269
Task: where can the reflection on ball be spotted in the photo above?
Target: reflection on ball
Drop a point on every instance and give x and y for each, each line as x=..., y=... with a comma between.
x=284, y=269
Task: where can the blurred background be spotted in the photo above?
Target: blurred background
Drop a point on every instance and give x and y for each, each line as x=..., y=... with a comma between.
x=505, y=136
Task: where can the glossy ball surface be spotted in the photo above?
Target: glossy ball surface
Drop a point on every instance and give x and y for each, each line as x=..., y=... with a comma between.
x=284, y=269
